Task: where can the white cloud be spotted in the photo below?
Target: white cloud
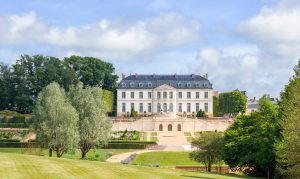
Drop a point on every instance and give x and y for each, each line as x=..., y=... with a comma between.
x=114, y=39
x=210, y=55
x=275, y=29
x=253, y=72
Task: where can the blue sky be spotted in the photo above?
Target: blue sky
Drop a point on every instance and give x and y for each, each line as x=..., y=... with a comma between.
x=250, y=45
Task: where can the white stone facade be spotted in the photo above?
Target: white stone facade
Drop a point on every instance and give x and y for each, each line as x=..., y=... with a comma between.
x=164, y=99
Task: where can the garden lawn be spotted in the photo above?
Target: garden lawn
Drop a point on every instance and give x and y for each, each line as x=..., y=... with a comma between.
x=31, y=166
x=97, y=155
x=164, y=159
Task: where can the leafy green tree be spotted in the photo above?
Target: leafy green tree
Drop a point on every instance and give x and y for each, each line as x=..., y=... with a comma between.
x=21, y=83
x=94, y=127
x=201, y=113
x=22, y=94
x=55, y=120
x=93, y=72
x=250, y=141
x=209, y=149
x=288, y=149
x=6, y=87
x=232, y=103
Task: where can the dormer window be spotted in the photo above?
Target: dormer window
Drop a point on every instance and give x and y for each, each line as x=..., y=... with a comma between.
x=149, y=84
x=189, y=84
x=198, y=84
x=123, y=84
x=140, y=84
x=179, y=84
x=131, y=84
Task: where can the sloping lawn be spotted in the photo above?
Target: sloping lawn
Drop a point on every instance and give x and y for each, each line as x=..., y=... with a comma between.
x=164, y=159
x=30, y=166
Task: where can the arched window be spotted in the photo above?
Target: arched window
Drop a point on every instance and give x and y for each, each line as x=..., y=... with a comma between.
x=161, y=127
x=170, y=127
x=158, y=107
x=178, y=127
x=165, y=107
x=171, y=107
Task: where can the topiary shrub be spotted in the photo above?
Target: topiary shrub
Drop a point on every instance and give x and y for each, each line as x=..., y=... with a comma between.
x=201, y=113
x=133, y=113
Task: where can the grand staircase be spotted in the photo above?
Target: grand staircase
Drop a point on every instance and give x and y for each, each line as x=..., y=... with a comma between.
x=171, y=141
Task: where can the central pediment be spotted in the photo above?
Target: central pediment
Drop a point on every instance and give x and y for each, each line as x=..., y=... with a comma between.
x=165, y=87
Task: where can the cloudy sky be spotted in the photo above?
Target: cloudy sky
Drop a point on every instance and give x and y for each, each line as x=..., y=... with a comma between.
x=251, y=45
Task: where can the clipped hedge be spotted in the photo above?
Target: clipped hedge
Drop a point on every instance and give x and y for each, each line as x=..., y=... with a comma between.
x=18, y=119
x=121, y=144
x=9, y=140
x=108, y=100
x=131, y=141
x=19, y=144
x=126, y=146
x=14, y=125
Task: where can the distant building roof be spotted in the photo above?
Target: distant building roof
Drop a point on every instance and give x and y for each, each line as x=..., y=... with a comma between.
x=253, y=106
x=153, y=81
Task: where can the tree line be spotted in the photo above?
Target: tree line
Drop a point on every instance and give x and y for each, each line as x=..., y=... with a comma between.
x=21, y=82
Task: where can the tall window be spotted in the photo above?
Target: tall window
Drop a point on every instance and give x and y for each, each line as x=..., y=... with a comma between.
x=180, y=95
x=123, y=107
x=197, y=107
x=188, y=95
x=206, y=95
x=171, y=107
x=179, y=107
x=197, y=95
x=141, y=95
x=165, y=107
x=188, y=109
x=165, y=95
x=149, y=95
x=206, y=107
x=131, y=105
x=158, y=107
x=141, y=107
x=149, y=107
x=132, y=95
x=123, y=95
x=171, y=95
x=158, y=95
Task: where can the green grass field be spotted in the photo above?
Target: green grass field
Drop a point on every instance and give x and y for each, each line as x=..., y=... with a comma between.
x=30, y=166
x=97, y=155
x=164, y=159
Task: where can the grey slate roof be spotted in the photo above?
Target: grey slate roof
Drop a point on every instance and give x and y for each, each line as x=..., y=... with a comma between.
x=253, y=106
x=153, y=81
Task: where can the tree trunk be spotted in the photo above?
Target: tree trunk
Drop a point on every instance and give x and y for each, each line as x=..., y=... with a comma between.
x=59, y=152
x=50, y=152
x=83, y=155
x=209, y=166
x=84, y=150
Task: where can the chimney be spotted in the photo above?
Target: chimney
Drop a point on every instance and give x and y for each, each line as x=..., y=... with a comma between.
x=206, y=76
x=123, y=76
x=136, y=75
x=254, y=99
x=193, y=76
